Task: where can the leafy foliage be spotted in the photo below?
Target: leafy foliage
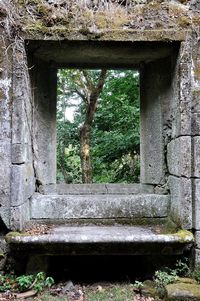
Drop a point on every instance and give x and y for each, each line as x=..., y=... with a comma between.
x=24, y=282
x=167, y=276
x=115, y=132
x=163, y=278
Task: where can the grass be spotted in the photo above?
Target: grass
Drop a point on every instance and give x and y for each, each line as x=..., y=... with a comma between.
x=112, y=292
x=105, y=292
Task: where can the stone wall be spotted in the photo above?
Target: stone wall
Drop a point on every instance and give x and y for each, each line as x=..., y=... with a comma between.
x=170, y=110
x=22, y=156
x=195, y=145
x=5, y=126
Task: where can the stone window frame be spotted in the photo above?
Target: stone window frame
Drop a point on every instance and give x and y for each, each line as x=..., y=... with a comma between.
x=153, y=114
x=169, y=174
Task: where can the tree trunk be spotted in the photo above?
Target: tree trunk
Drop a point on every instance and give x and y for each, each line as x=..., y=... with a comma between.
x=85, y=130
x=86, y=165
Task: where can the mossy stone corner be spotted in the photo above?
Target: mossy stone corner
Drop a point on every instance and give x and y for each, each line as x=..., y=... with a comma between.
x=182, y=291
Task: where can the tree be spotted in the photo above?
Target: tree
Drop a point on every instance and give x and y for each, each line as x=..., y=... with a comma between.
x=87, y=85
x=115, y=137
x=115, y=129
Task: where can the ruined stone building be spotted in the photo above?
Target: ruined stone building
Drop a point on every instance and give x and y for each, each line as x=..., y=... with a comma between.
x=159, y=38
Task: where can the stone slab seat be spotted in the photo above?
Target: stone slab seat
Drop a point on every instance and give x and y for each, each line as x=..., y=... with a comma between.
x=98, y=206
x=101, y=240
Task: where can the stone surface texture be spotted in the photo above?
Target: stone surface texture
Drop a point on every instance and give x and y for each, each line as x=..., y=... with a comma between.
x=94, y=206
x=183, y=292
x=85, y=189
x=181, y=200
x=137, y=240
x=161, y=38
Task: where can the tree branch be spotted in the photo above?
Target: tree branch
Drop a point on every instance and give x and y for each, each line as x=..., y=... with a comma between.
x=84, y=98
x=89, y=82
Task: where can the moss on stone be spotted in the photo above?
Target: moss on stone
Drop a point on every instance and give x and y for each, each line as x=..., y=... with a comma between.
x=184, y=21
x=2, y=255
x=186, y=280
x=47, y=19
x=183, y=291
x=149, y=289
x=184, y=235
x=35, y=26
x=14, y=234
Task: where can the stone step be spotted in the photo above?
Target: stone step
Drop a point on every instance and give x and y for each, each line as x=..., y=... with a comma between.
x=63, y=189
x=101, y=240
x=97, y=206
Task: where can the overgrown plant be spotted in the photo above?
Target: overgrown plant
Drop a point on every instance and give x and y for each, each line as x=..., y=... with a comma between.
x=25, y=282
x=196, y=274
x=163, y=278
x=167, y=276
x=138, y=285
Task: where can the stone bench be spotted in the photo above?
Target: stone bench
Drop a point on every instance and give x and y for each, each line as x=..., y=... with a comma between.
x=101, y=240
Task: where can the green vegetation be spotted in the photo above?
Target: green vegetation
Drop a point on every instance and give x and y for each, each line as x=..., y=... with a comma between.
x=149, y=290
x=168, y=276
x=163, y=278
x=113, y=292
x=196, y=274
x=115, y=128
x=25, y=282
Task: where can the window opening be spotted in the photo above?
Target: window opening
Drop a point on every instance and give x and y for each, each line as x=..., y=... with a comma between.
x=98, y=116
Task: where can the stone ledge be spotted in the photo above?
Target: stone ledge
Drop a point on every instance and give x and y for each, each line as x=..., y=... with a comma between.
x=102, y=240
x=63, y=189
x=98, y=206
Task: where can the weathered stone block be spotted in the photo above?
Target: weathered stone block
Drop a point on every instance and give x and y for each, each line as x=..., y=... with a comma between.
x=195, y=101
x=45, y=122
x=21, y=153
x=22, y=98
x=196, y=257
x=196, y=209
x=197, y=239
x=196, y=159
x=181, y=199
x=179, y=156
x=5, y=172
x=195, y=124
x=182, y=118
x=96, y=189
x=183, y=292
x=151, y=132
x=5, y=215
x=196, y=72
x=19, y=216
x=98, y=206
x=20, y=130
x=22, y=183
